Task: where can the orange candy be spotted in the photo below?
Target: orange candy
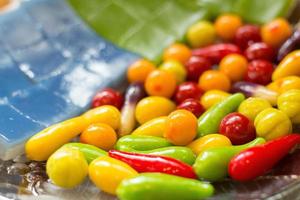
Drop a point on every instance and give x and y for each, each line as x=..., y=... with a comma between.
x=139, y=70
x=214, y=80
x=160, y=83
x=178, y=52
x=181, y=127
x=276, y=32
x=226, y=25
x=100, y=135
x=234, y=66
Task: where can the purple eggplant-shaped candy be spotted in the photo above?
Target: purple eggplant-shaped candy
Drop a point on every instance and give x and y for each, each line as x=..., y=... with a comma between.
x=134, y=93
x=255, y=90
x=289, y=45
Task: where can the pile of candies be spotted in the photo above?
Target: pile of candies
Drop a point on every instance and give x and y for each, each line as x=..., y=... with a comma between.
x=220, y=106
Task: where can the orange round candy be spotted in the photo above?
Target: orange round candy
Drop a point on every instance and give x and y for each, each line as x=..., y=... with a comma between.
x=234, y=66
x=178, y=52
x=139, y=70
x=181, y=127
x=100, y=135
x=276, y=32
x=214, y=80
x=226, y=25
x=160, y=83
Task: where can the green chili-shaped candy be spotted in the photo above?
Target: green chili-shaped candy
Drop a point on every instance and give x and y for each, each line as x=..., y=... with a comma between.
x=141, y=142
x=212, y=164
x=90, y=152
x=183, y=154
x=148, y=186
x=209, y=122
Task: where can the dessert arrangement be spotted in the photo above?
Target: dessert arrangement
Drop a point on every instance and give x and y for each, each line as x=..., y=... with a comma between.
x=224, y=104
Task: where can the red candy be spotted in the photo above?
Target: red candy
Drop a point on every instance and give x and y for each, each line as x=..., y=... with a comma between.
x=247, y=35
x=193, y=106
x=238, y=128
x=187, y=90
x=108, y=96
x=259, y=71
x=195, y=66
x=259, y=50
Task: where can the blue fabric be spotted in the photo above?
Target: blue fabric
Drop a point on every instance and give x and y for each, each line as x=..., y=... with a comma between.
x=51, y=64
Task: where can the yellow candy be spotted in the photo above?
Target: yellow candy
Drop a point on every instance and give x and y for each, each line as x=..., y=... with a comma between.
x=284, y=84
x=208, y=141
x=151, y=107
x=175, y=68
x=67, y=167
x=289, y=66
x=154, y=127
x=40, y=146
x=201, y=34
x=252, y=106
x=289, y=103
x=272, y=123
x=212, y=97
x=107, y=173
x=109, y=115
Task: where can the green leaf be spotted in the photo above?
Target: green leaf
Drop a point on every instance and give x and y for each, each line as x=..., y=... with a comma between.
x=148, y=26
x=252, y=11
x=142, y=26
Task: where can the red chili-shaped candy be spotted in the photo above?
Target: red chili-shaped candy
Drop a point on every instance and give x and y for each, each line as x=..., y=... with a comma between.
x=152, y=163
x=216, y=52
x=258, y=160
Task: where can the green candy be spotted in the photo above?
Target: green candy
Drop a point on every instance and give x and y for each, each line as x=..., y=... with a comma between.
x=149, y=186
x=141, y=142
x=183, y=154
x=209, y=122
x=212, y=164
x=90, y=152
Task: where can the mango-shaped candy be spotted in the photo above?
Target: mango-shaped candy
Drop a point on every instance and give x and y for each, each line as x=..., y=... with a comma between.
x=289, y=103
x=252, y=106
x=67, y=167
x=154, y=127
x=107, y=173
x=212, y=97
x=151, y=107
x=284, y=84
x=289, y=66
x=272, y=123
x=208, y=141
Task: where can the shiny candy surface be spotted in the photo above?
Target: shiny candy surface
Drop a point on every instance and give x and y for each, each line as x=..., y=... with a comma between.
x=187, y=90
x=100, y=135
x=107, y=173
x=151, y=107
x=153, y=127
x=201, y=34
x=226, y=25
x=289, y=103
x=107, y=96
x=177, y=51
x=160, y=83
x=176, y=68
x=212, y=97
x=284, y=84
x=208, y=141
x=234, y=66
x=252, y=106
x=272, y=123
x=238, y=128
x=67, y=167
x=276, y=32
x=139, y=70
x=214, y=80
x=181, y=127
